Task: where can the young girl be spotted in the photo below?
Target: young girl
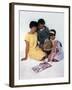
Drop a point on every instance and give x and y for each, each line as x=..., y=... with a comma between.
x=32, y=50
x=56, y=52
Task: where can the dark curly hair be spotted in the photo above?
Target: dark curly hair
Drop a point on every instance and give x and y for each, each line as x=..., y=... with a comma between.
x=41, y=21
x=33, y=24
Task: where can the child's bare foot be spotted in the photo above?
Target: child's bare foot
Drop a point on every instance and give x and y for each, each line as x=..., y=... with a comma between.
x=23, y=59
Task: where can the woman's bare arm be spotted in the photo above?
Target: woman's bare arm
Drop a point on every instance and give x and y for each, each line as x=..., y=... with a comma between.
x=26, y=50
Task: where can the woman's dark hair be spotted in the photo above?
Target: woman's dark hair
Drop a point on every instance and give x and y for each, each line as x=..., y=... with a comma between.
x=33, y=24
x=53, y=30
x=41, y=21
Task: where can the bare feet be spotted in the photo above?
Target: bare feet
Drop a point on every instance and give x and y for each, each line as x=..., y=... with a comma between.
x=55, y=60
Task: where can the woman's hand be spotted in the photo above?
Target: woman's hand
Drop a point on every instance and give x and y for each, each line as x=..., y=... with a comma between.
x=25, y=58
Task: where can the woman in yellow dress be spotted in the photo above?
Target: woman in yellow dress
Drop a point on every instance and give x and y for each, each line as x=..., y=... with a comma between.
x=32, y=50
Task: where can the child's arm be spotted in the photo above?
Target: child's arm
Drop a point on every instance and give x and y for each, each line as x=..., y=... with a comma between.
x=26, y=51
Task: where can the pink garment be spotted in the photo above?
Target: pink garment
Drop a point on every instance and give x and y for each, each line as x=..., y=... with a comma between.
x=57, y=52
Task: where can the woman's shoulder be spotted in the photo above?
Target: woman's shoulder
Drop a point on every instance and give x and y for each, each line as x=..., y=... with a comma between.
x=28, y=33
x=27, y=36
x=58, y=42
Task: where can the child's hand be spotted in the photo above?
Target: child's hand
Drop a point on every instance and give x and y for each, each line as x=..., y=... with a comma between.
x=24, y=59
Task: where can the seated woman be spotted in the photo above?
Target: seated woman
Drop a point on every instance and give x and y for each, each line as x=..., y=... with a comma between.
x=32, y=50
x=57, y=51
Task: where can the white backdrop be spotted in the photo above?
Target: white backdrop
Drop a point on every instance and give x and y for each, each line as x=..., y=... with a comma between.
x=54, y=20
x=4, y=44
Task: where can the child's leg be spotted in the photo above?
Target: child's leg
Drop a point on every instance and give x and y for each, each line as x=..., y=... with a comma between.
x=47, y=54
x=43, y=58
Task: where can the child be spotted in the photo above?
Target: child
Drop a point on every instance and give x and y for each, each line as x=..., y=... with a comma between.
x=43, y=32
x=47, y=46
x=56, y=52
x=32, y=50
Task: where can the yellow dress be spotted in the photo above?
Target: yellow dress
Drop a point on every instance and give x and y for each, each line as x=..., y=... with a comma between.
x=34, y=51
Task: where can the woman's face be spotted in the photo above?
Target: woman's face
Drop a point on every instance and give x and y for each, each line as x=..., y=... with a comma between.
x=40, y=26
x=52, y=37
x=33, y=29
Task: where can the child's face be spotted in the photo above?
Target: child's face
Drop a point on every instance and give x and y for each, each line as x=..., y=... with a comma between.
x=40, y=26
x=33, y=29
x=52, y=37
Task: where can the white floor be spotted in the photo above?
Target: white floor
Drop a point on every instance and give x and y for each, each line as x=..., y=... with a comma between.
x=26, y=72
